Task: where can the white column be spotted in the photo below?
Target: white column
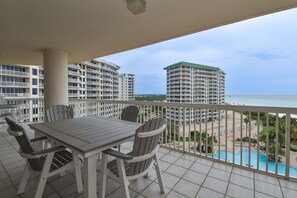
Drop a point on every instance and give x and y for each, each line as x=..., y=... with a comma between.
x=55, y=63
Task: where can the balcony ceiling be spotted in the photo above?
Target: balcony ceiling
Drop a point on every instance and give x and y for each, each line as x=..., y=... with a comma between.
x=88, y=29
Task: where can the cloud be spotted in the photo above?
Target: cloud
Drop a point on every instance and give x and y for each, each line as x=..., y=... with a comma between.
x=259, y=56
x=266, y=56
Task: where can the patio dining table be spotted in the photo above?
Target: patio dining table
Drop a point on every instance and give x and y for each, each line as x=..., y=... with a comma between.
x=88, y=136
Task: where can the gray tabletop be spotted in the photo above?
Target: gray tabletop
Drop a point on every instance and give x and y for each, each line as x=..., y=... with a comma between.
x=88, y=134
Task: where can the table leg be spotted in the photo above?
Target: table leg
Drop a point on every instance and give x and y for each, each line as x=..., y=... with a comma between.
x=90, y=184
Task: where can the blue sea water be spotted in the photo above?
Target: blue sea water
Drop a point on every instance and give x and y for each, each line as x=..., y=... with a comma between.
x=262, y=161
x=263, y=100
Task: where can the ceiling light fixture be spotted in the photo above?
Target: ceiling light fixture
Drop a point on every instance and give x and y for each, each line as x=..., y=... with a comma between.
x=136, y=6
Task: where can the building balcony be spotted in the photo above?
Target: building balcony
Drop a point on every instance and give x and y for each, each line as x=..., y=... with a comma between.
x=73, y=80
x=232, y=166
x=94, y=71
x=73, y=73
x=5, y=72
x=14, y=84
x=184, y=175
x=73, y=95
x=73, y=87
x=74, y=66
x=17, y=95
x=93, y=76
x=92, y=83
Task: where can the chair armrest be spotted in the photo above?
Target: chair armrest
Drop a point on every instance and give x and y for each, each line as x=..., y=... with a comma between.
x=39, y=139
x=117, y=154
x=50, y=150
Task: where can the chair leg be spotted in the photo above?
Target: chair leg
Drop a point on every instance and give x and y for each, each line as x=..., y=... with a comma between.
x=76, y=162
x=44, y=175
x=24, y=180
x=159, y=174
x=103, y=171
x=122, y=175
x=99, y=156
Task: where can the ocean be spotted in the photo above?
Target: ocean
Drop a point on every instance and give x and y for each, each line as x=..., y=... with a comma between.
x=263, y=100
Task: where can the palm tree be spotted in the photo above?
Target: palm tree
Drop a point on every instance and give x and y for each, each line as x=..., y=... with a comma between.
x=272, y=146
x=246, y=121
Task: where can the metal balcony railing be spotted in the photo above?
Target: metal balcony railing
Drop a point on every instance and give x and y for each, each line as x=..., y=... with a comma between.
x=14, y=84
x=257, y=138
x=15, y=73
x=15, y=95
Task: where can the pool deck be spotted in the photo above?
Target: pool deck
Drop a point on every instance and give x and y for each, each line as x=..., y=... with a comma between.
x=184, y=176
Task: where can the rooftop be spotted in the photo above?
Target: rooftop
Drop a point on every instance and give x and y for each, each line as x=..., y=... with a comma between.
x=184, y=176
x=192, y=65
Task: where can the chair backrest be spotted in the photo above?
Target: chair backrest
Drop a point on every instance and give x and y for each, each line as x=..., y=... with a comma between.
x=146, y=141
x=2, y=101
x=20, y=135
x=58, y=112
x=130, y=113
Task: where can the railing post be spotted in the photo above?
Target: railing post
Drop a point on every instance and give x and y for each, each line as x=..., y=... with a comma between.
x=184, y=129
x=288, y=144
x=276, y=142
x=267, y=141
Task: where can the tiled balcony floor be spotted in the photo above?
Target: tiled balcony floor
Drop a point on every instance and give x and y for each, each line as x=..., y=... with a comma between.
x=184, y=176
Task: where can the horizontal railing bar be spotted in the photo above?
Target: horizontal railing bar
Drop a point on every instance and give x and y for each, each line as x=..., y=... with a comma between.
x=289, y=110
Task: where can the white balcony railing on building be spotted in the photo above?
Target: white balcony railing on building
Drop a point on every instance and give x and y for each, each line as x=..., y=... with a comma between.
x=250, y=137
x=73, y=87
x=73, y=94
x=14, y=84
x=23, y=95
x=75, y=80
x=15, y=73
x=74, y=66
x=73, y=73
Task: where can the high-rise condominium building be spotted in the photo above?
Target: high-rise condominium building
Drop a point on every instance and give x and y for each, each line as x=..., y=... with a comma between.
x=194, y=83
x=126, y=86
x=87, y=80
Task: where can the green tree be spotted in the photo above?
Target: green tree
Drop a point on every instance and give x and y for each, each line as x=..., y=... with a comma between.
x=246, y=121
x=204, y=136
x=272, y=146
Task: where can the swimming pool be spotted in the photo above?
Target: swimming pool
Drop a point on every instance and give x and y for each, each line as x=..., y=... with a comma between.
x=262, y=160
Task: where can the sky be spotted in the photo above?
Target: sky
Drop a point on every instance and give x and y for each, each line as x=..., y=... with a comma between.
x=258, y=55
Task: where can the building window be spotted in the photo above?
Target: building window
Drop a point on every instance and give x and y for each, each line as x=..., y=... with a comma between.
x=35, y=111
x=34, y=81
x=34, y=91
x=34, y=72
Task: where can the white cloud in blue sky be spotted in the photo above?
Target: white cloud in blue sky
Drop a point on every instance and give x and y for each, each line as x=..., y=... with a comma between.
x=259, y=56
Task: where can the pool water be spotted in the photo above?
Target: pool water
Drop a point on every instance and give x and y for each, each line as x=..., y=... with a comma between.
x=262, y=160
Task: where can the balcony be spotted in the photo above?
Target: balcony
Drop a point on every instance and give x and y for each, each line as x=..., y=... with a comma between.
x=73, y=87
x=73, y=73
x=14, y=73
x=234, y=165
x=73, y=80
x=14, y=84
x=184, y=176
x=74, y=66
x=12, y=95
